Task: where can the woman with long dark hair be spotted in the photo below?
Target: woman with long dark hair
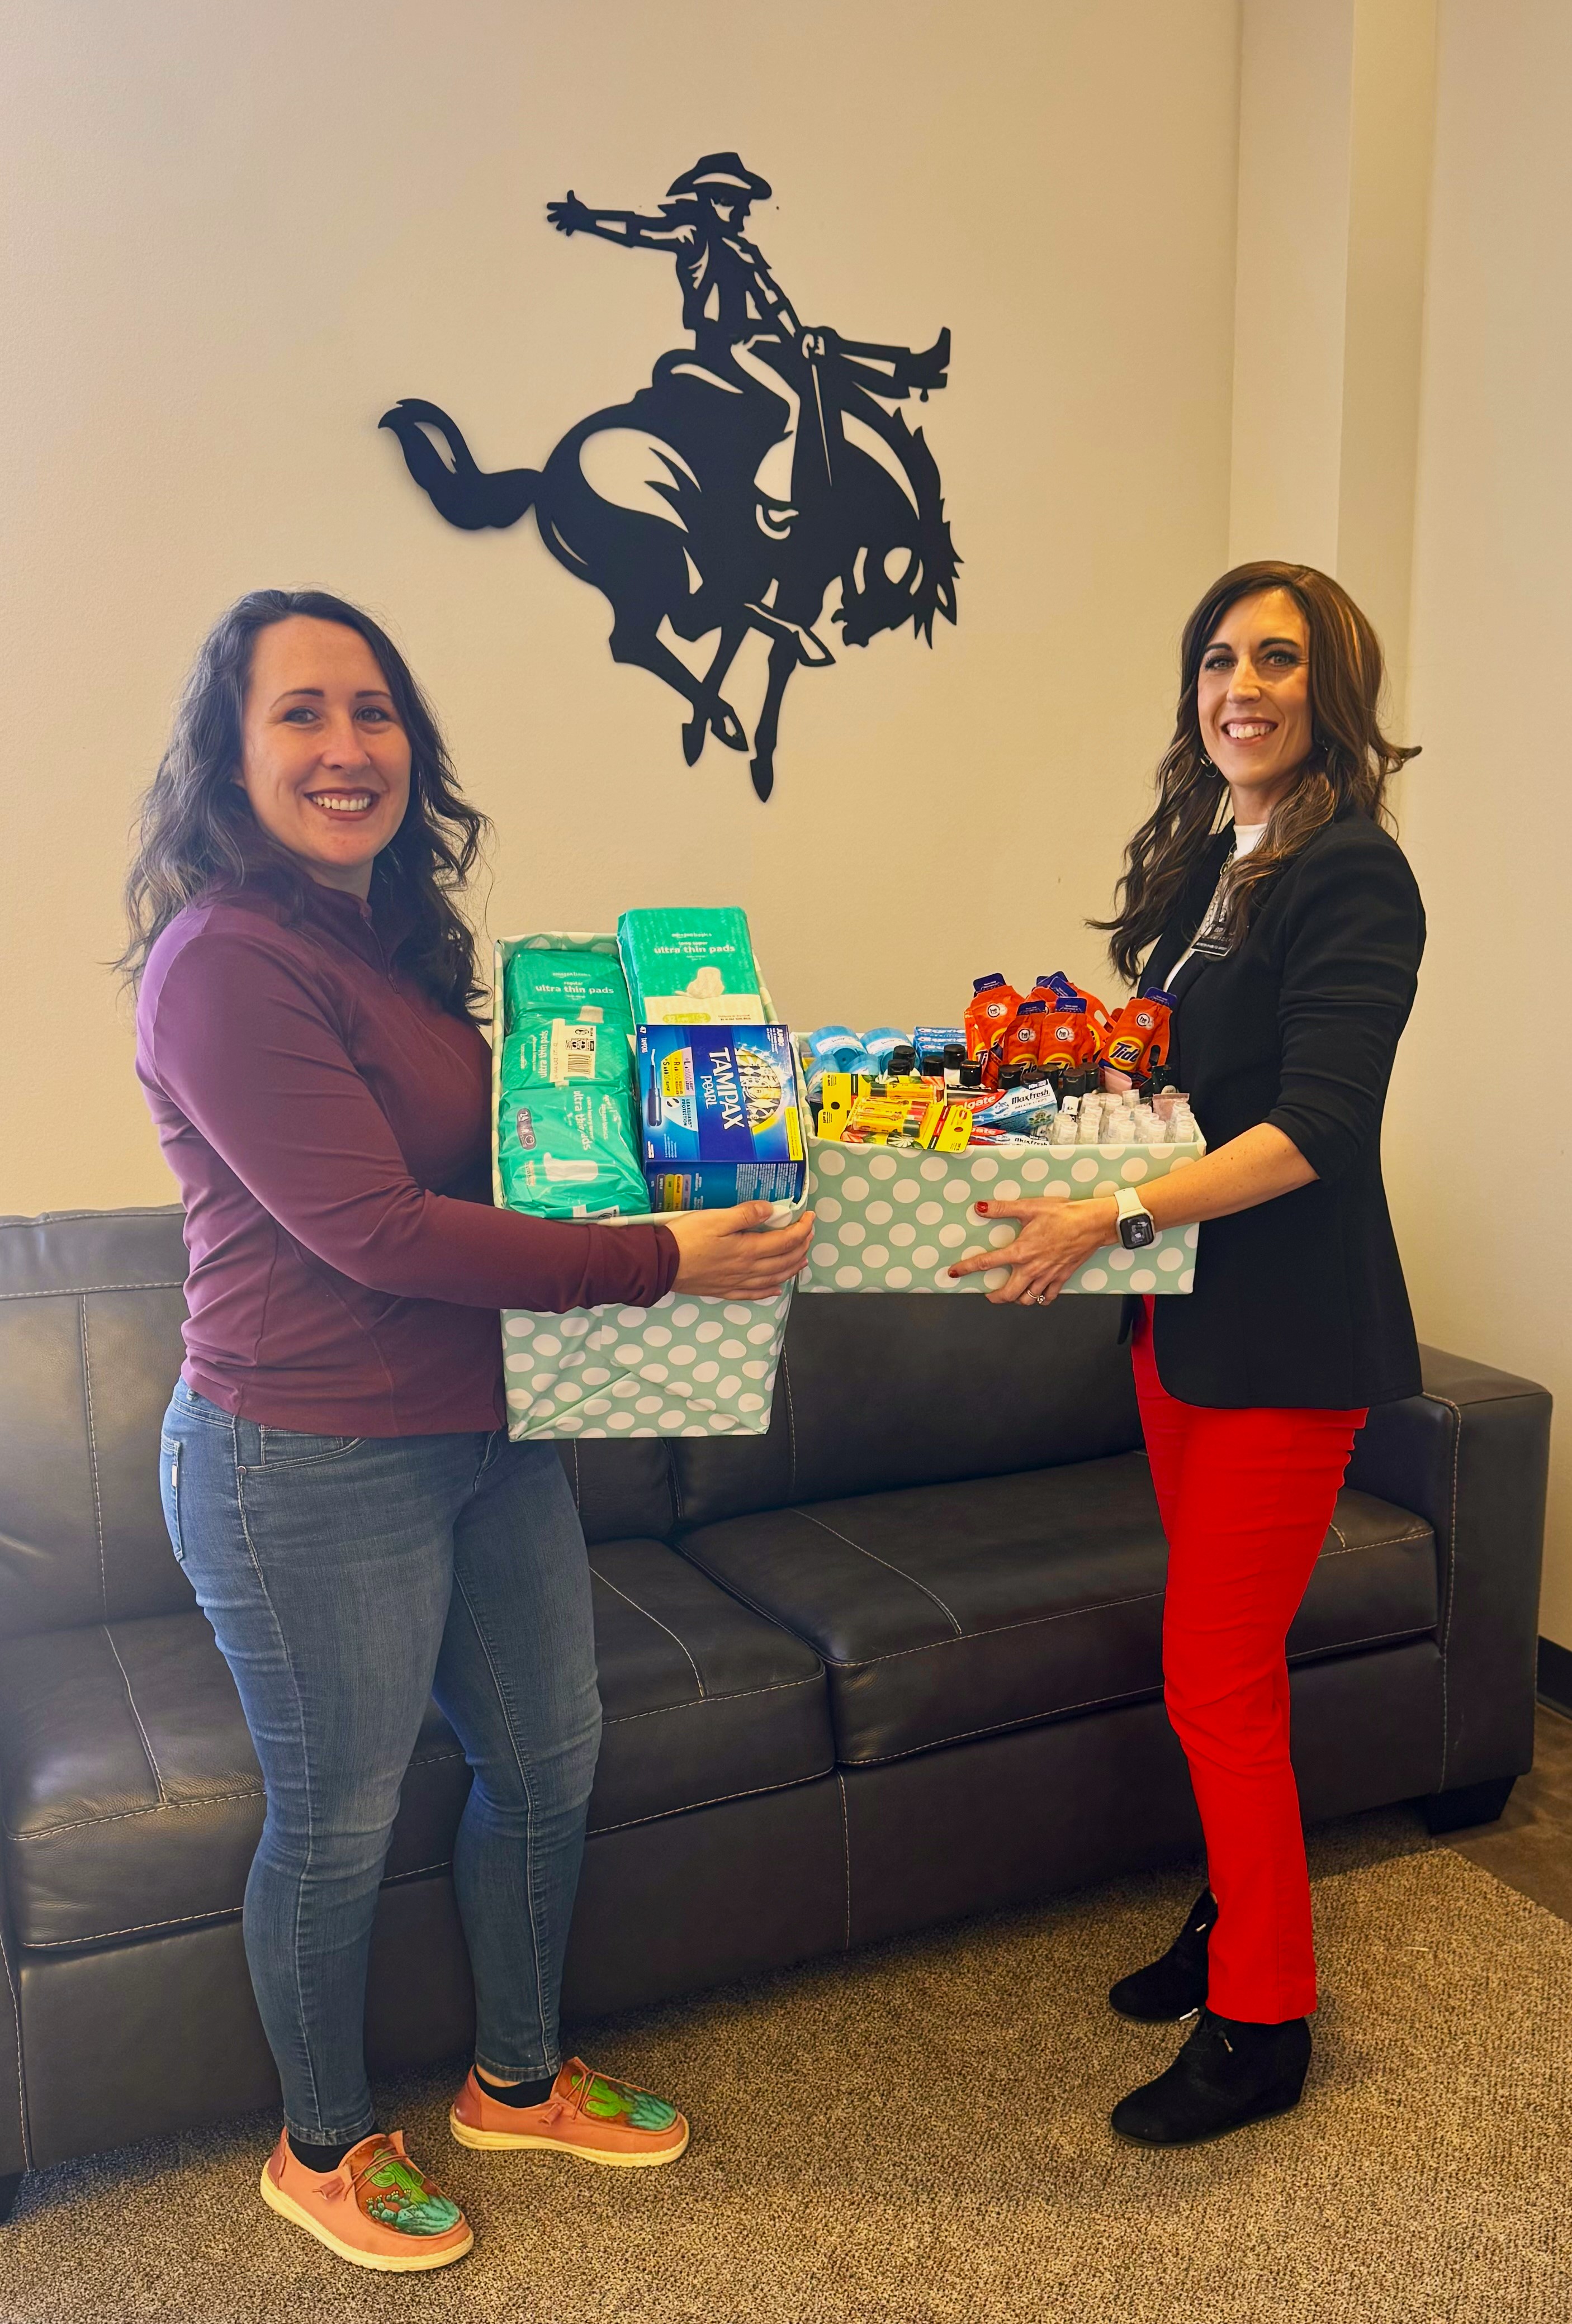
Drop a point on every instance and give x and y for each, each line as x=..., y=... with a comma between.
x=1265, y=893
x=334, y=1467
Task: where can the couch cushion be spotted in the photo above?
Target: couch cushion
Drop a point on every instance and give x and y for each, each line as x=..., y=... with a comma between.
x=945, y=1611
x=704, y=1702
x=91, y=1304
x=90, y=1311
x=901, y=1389
x=622, y=1488
x=132, y=1799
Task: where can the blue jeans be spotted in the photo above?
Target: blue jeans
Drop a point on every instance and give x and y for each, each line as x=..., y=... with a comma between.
x=347, y=1580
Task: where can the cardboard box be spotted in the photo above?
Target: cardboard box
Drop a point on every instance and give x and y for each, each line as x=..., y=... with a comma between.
x=891, y=1219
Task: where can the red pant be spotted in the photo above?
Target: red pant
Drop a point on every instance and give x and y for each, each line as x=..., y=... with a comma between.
x=1246, y=1498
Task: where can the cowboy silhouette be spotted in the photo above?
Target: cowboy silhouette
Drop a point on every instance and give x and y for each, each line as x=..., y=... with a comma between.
x=757, y=467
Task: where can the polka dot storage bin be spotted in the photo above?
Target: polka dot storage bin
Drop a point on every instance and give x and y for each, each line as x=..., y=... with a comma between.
x=684, y=1366
x=898, y=1220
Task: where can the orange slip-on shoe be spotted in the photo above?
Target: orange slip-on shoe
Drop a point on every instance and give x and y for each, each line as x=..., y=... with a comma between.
x=586, y=2115
x=377, y=2210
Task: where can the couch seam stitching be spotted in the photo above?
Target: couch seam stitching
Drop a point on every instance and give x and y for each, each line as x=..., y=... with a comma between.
x=898, y=1653
x=20, y=2067
x=198, y=1920
x=790, y=1425
x=756, y=1791
x=1002, y=1630
x=89, y=1290
x=137, y=1715
x=1445, y=1625
x=1093, y=1702
x=845, y=1848
x=744, y=1694
x=137, y=1929
x=175, y=1807
x=92, y=1456
x=1004, y=1726
x=655, y=1618
x=875, y=1559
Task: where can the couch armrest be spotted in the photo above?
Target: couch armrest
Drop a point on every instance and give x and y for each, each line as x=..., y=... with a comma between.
x=1471, y=1456
x=14, y=2143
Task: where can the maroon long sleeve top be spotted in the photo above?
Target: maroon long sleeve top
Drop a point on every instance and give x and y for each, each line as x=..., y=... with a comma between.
x=329, y=1128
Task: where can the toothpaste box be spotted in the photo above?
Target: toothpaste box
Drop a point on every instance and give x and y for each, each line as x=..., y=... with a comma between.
x=719, y=1116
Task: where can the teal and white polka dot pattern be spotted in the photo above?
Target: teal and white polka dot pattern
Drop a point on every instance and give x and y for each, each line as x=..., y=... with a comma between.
x=899, y=1221
x=684, y=1367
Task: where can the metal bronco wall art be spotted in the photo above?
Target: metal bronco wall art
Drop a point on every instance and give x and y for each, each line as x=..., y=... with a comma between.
x=759, y=468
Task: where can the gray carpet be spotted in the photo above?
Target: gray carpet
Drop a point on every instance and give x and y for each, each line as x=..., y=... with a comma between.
x=917, y=2136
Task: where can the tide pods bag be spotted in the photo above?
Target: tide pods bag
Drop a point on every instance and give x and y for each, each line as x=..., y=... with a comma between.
x=1137, y=1039
x=989, y=1013
x=1070, y=1038
x=1060, y=987
x=1024, y=1040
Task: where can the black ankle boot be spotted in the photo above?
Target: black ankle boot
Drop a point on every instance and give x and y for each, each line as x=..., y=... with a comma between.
x=1174, y=1987
x=1228, y=2073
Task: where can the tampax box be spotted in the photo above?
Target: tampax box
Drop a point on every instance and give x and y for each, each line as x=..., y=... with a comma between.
x=719, y=1116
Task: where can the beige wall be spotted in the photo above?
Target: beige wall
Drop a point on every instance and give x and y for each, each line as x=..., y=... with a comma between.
x=240, y=232
x=1488, y=808
x=236, y=234
x=1337, y=110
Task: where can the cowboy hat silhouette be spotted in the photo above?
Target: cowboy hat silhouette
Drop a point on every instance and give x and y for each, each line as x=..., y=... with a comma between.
x=722, y=169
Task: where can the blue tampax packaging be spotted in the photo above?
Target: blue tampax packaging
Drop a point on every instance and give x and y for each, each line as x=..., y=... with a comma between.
x=718, y=1117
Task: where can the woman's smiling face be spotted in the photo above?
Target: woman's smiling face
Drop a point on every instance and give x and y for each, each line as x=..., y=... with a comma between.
x=1253, y=700
x=325, y=761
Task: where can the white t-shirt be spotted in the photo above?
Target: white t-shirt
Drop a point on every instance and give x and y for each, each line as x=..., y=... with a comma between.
x=1246, y=836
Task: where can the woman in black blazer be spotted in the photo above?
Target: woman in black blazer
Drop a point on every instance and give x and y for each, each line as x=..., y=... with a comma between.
x=1266, y=897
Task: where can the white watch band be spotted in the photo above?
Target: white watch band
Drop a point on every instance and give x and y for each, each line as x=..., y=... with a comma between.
x=1128, y=1202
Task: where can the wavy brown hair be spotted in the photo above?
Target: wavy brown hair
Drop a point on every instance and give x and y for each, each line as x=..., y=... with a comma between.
x=1349, y=766
x=198, y=833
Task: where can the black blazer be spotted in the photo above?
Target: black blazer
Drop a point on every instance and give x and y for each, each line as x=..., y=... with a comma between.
x=1301, y=1300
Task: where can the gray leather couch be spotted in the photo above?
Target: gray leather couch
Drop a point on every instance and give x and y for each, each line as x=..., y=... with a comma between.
x=893, y=1662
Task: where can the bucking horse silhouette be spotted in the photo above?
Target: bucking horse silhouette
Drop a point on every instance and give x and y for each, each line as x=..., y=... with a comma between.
x=757, y=469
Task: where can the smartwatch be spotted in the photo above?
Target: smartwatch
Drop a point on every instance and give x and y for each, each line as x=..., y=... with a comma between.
x=1137, y=1227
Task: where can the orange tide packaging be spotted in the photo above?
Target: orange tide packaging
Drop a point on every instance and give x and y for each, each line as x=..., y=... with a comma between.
x=1070, y=1038
x=989, y=1013
x=1060, y=987
x=1137, y=1039
x=1024, y=1040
